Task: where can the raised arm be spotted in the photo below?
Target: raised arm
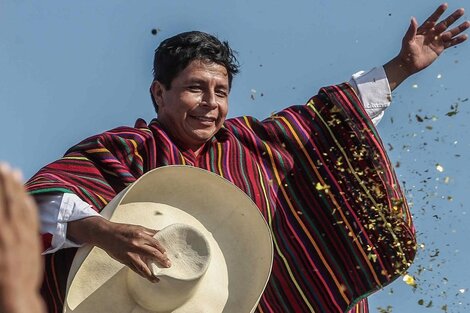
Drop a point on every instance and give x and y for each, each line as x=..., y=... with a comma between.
x=422, y=45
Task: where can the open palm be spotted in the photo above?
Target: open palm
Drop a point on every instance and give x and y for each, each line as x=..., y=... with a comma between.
x=422, y=45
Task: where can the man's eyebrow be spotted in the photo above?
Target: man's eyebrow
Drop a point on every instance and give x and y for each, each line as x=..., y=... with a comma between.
x=194, y=80
x=197, y=80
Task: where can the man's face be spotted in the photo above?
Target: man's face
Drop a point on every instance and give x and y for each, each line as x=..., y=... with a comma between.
x=195, y=106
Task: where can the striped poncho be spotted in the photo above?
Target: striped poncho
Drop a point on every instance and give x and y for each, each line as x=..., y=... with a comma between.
x=318, y=172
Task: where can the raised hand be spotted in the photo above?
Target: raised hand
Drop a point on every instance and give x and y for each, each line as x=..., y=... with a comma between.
x=422, y=45
x=20, y=247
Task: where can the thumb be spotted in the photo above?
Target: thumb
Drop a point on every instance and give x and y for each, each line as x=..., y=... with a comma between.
x=411, y=32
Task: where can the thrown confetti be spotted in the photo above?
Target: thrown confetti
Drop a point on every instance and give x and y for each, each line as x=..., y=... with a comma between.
x=409, y=280
x=320, y=187
x=253, y=94
x=454, y=109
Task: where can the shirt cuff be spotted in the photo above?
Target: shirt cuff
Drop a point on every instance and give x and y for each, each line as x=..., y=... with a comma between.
x=72, y=208
x=374, y=90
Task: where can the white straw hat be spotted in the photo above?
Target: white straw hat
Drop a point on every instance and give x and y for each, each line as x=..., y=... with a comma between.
x=213, y=221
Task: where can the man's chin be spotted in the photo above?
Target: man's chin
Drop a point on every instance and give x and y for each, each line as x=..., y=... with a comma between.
x=203, y=135
x=201, y=140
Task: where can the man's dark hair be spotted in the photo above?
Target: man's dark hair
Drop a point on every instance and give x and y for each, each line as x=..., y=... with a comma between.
x=174, y=54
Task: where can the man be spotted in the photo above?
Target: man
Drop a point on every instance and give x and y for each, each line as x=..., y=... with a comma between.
x=318, y=173
x=20, y=259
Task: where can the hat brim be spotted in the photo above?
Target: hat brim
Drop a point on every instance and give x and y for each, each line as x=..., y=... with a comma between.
x=225, y=211
x=100, y=278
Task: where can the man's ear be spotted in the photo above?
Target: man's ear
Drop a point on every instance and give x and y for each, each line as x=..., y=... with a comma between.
x=157, y=90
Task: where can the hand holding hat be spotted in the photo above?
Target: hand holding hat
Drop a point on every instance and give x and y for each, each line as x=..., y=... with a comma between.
x=132, y=245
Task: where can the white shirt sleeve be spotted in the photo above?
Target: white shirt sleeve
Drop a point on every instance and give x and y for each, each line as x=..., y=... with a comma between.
x=373, y=89
x=56, y=211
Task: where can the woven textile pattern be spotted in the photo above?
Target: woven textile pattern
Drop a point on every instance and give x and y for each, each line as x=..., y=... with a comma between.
x=318, y=172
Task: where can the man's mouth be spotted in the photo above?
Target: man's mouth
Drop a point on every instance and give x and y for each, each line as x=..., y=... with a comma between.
x=208, y=119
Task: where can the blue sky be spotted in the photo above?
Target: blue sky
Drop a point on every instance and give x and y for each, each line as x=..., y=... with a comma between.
x=70, y=69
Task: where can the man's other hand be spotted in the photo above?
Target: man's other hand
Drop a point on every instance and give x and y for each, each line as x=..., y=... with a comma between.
x=422, y=45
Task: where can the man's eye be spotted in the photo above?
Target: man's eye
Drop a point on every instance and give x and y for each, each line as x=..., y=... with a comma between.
x=194, y=88
x=222, y=93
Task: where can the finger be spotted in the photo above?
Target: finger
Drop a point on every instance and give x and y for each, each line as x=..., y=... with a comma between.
x=143, y=270
x=138, y=267
x=154, y=243
x=443, y=25
x=154, y=254
x=12, y=194
x=433, y=18
x=411, y=32
x=3, y=202
x=17, y=194
x=26, y=209
x=456, y=41
x=448, y=35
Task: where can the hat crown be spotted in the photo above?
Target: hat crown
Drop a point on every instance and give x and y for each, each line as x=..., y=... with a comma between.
x=189, y=252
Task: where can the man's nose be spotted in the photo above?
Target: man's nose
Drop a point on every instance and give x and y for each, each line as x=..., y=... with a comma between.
x=210, y=99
